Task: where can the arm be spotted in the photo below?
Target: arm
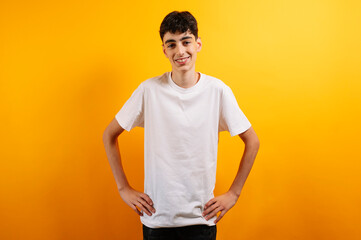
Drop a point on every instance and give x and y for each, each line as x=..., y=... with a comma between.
x=129, y=195
x=251, y=142
x=226, y=201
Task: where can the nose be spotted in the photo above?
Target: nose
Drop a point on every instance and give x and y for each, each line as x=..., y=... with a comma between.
x=181, y=50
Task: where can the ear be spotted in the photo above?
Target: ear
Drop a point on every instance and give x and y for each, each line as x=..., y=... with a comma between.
x=199, y=44
x=164, y=51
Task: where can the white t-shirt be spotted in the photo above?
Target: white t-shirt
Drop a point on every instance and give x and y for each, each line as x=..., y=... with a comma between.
x=181, y=130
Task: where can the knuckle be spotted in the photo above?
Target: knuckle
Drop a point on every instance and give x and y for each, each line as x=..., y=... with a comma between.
x=144, y=203
x=145, y=209
x=147, y=198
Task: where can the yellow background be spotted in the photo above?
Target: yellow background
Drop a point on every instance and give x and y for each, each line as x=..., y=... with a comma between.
x=67, y=67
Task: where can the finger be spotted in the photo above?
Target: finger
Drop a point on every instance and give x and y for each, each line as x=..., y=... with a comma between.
x=143, y=208
x=213, y=213
x=147, y=199
x=209, y=203
x=146, y=205
x=220, y=216
x=137, y=211
x=210, y=209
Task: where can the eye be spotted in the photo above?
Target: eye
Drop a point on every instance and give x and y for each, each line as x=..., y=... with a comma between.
x=187, y=42
x=170, y=45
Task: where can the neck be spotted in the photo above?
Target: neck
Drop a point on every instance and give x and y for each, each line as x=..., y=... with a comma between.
x=185, y=79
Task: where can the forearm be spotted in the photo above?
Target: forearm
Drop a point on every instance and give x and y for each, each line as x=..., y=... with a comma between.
x=114, y=158
x=245, y=166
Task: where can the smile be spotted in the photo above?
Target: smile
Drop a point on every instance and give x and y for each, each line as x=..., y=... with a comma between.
x=182, y=60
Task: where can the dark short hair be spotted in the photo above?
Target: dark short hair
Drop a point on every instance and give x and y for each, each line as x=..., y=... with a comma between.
x=179, y=22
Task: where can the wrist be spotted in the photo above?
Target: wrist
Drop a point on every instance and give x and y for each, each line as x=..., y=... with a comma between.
x=122, y=188
x=234, y=193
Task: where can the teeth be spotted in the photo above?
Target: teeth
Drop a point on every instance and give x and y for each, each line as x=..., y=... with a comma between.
x=182, y=60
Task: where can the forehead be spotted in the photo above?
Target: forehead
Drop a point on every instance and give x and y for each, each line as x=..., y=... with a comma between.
x=177, y=36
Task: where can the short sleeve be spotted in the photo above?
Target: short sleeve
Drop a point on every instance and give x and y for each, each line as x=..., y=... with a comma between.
x=132, y=113
x=232, y=119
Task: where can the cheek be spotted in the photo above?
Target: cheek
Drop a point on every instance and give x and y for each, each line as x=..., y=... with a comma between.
x=168, y=55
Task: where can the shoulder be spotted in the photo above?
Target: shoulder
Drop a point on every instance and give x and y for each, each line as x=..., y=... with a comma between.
x=155, y=81
x=215, y=83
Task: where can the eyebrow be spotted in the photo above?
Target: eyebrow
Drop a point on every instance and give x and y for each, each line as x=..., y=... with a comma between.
x=172, y=40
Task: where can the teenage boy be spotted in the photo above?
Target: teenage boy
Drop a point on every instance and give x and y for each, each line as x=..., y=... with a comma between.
x=182, y=113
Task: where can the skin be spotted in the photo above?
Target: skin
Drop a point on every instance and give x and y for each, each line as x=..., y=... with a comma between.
x=180, y=45
x=225, y=202
x=176, y=46
x=138, y=201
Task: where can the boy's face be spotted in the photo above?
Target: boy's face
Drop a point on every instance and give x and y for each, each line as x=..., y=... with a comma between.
x=181, y=49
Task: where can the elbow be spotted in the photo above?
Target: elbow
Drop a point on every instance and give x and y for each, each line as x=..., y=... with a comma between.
x=257, y=143
x=256, y=140
x=253, y=143
x=107, y=136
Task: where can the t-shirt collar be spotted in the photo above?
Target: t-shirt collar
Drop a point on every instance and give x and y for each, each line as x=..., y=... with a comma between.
x=185, y=90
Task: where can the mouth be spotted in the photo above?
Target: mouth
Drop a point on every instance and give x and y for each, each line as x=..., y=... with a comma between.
x=182, y=60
